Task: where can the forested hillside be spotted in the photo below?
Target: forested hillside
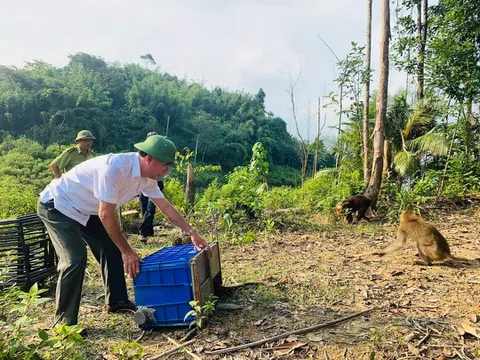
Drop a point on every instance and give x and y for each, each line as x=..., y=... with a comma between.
x=120, y=104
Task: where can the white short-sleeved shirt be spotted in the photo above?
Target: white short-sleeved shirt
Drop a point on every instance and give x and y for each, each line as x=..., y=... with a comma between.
x=113, y=178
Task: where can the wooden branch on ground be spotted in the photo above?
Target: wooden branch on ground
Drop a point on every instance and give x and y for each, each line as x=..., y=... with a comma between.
x=425, y=338
x=189, y=335
x=171, y=351
x=284, y=335
x=187, y=351
x=461, y=354
x=140, y=337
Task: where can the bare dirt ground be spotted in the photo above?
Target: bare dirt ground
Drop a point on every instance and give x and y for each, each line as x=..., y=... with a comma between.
x=316, y=276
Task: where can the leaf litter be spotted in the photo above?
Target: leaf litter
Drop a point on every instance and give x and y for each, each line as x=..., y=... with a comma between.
x=310, y=277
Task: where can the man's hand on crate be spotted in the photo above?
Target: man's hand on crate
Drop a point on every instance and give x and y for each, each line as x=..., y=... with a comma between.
x=131, y=262
x=199, y=242
x=177, y=219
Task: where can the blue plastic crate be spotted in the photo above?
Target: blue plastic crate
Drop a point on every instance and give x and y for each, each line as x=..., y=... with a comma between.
x=169, y=279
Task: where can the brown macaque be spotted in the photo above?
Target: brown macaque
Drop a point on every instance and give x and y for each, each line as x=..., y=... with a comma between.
x=432, y=246
x=356, y=204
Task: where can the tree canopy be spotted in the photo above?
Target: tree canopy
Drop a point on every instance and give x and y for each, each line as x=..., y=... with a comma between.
x=120, y=104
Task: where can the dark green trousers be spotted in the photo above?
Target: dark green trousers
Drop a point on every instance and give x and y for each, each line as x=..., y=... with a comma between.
x=69, y=239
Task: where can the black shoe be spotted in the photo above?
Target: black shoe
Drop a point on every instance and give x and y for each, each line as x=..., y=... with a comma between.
x=124, y=305
x=142, y=238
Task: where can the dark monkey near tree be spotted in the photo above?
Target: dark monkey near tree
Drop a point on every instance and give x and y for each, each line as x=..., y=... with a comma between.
x=356, y=204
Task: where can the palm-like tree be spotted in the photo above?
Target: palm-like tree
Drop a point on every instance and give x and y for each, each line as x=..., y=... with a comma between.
x=413, y=132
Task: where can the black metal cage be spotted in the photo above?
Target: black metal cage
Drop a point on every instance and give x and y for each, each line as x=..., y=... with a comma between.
x=27, y=255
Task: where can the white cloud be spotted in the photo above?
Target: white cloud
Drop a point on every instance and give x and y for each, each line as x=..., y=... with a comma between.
x=241, y=44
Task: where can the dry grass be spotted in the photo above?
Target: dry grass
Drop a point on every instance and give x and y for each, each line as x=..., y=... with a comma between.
x=315, y=276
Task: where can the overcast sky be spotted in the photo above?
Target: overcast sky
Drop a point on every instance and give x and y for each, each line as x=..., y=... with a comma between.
x=235, y=44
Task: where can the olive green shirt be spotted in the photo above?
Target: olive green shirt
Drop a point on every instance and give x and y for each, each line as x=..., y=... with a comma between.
x=71, y=157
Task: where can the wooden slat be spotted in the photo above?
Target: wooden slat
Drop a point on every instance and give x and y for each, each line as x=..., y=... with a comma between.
x=26, y=234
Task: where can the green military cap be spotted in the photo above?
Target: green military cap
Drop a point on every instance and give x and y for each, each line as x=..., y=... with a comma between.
x=159, y=147
x=84, y=135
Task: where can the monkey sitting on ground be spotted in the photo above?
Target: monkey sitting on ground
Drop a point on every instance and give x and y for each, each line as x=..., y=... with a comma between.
x=358, y=203
x=432, y=246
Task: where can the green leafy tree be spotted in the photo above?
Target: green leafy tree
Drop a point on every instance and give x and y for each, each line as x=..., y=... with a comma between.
x=413, y=133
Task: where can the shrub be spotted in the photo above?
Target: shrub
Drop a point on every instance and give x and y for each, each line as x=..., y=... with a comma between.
x=329, y=187
x=205, y=176
x=401, y=197
x=15, y=198
x=174, y=192
x=18, y=337
x=283, y=176
x=428, y=186
x=280, y=198
x=243, y=190
x=462, y=177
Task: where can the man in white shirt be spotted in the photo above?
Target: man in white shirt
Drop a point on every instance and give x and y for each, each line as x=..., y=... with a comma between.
x=80, y=208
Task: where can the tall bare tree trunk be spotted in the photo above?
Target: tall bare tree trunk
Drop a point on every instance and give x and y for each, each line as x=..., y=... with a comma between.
x=315, y=157
x=468, y=126
x=168, y=124
x=340, y=112
x=381, y=111
x=387, y=155
x=196, y=146
x=422, y=25
x=190, y=190
x=303, y=145
x=304, y=163
x=366, y=101
x=340, y=105
x=442, y=178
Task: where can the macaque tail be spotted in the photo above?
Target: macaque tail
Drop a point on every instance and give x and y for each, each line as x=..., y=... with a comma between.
x=460, y=259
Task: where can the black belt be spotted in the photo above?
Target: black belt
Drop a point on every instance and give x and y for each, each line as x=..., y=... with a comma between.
x=49, y=204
